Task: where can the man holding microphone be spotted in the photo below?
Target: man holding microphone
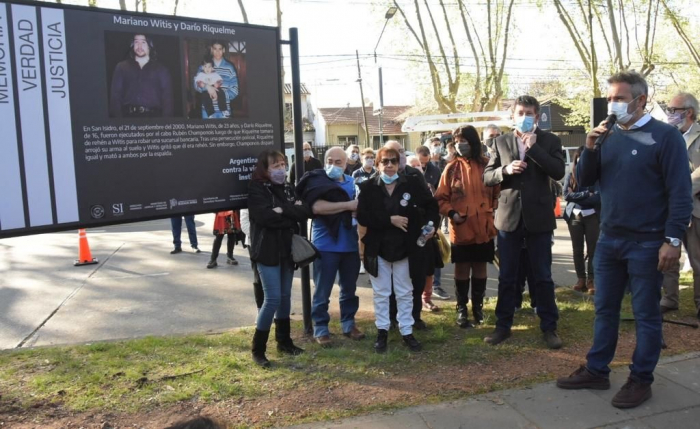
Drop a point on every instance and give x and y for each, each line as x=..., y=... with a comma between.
x=642, y=168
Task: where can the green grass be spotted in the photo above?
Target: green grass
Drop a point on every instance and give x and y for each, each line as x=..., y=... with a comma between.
x=136, y=375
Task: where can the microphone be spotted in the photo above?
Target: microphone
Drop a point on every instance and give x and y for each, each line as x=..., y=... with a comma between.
x=609, y=122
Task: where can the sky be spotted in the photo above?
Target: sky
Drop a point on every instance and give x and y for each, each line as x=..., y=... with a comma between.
x=330, y=32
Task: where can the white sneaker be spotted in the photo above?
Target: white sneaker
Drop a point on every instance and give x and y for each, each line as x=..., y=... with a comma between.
x=362, y=268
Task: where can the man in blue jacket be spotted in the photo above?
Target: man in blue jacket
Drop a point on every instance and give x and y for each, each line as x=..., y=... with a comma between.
x=331, y=195
x=642, y=169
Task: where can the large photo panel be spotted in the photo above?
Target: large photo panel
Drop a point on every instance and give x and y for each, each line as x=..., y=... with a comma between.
x=110, y=117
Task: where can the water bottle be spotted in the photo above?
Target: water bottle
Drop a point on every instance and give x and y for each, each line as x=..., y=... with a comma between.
x=427, y=229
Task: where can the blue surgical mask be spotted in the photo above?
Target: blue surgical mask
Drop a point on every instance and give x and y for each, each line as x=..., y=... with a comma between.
x=389, y=179
x=277, y=176
x=675, y=119
x=524, y=124
x=334, y=172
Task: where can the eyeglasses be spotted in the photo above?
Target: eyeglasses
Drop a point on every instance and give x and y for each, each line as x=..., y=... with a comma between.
x=672, y=110
x=387, y=161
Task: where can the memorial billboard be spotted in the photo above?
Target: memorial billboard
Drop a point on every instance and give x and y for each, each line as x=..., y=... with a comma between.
x=111, y=117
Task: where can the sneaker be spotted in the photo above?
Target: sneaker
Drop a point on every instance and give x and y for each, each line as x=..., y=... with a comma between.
x=226, y=114
x=552, y=339
x=439, y=293
x=362, y=268
x=665, y=309
x=324, y=341
x=380, y=344
x=212, y=264
x=412, y=344
x=354, y=334
x=633, y=394
x=231, y=260
x=582, y=378
x=195, y=249
x=498, y=336
x=176, y=250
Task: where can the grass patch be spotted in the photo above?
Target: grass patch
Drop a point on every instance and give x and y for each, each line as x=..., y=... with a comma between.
x=143, y=374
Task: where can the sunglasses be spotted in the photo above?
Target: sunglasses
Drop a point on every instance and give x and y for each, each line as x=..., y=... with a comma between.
x=387, y=161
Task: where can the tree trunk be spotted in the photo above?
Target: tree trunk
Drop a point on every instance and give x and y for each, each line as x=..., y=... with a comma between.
x=122, y=4
x=177, y=2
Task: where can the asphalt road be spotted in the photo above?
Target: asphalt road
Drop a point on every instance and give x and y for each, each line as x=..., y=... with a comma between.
x=139, y=289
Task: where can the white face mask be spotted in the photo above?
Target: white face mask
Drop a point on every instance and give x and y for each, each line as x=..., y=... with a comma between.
x=368, y=162
x=620, y=109
x=308, y=154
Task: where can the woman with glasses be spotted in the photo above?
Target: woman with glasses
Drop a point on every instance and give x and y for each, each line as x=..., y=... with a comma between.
x=394, y=208
x=275, y=214
x=469, y=205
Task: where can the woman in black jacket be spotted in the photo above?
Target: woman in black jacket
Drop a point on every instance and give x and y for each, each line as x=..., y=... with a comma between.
x=274, y=217
x=394, y=207
x=581, y=215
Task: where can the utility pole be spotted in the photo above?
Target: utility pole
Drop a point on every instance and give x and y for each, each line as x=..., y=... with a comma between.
x=362, y=95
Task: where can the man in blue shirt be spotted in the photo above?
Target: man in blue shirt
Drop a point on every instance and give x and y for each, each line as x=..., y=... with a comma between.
x=337, y=241
x=642, y=168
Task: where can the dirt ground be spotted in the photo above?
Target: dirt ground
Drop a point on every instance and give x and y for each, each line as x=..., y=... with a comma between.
x=408, y=388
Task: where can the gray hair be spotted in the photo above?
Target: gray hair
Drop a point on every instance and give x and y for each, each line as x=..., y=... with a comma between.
x=492, y=127
x=635, y=80
x=689, y=101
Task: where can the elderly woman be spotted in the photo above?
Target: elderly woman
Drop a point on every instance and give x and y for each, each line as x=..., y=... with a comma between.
x=394, y=207
x=469, y=205
x=274, y=217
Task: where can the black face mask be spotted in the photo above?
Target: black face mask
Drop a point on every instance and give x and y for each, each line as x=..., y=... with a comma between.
x=464, y=148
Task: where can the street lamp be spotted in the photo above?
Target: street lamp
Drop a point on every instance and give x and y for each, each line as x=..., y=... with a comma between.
x=388, y=15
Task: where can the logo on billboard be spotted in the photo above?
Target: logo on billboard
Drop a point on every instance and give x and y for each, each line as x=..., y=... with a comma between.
x=173, y=203
x=118, y=209
x=97, y=211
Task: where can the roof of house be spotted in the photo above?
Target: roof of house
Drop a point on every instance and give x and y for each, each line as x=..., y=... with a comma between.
x=288, y=89
x=353, y=115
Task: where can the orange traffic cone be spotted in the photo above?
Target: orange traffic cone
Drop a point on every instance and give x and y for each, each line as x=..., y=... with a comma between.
x=84, y=250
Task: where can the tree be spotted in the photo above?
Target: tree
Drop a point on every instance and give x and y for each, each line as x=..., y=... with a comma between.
x=600, y=32
x=446, y=70
x=678, y=25
x=177, y=3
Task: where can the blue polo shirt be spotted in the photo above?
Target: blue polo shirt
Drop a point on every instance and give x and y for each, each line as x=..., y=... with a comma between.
x=347, y=238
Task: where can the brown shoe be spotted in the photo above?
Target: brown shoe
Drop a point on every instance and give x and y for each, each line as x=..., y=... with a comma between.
x=355, y=334
x=324, y=341
x=591, y=290
x=580, y=285
x=633, y=394
x=590, y=284
x=582, y=378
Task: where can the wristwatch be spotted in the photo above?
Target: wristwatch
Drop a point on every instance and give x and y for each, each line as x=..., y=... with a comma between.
x=675, y=242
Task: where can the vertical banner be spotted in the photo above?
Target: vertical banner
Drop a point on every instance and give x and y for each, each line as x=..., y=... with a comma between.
x=58, y=107
x=31, y=108
x=11, y=200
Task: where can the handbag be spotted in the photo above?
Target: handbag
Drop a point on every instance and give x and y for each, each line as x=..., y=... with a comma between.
x=303, y=252
x=445, y=247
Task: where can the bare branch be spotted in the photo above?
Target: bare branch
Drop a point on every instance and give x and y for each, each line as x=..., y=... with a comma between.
x=615, y=35
x=673, y=17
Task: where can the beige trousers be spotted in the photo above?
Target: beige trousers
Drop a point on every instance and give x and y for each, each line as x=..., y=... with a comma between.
x=670, y=283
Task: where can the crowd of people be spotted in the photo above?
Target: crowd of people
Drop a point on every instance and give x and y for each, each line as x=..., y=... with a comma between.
x=628, y=208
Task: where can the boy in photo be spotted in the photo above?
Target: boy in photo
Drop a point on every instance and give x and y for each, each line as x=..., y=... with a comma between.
x=208, y=78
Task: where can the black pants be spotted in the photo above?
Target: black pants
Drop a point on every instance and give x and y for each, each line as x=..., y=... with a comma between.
x=525, y=276
x=230, y=243
x=208, y=104
x=257, y=283
x=584, y=229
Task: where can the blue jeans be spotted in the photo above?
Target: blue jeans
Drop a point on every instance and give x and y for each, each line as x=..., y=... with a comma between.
x=539, y=246
x=437, y=276
x=618, y=264
x=176, y=223
x=347, y=266
x=277, y=285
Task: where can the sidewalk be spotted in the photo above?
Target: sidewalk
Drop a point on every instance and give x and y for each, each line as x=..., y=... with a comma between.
x=675, y=404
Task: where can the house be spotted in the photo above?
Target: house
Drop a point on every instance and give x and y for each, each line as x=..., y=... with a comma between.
x=307, y=115
x=345, y=125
